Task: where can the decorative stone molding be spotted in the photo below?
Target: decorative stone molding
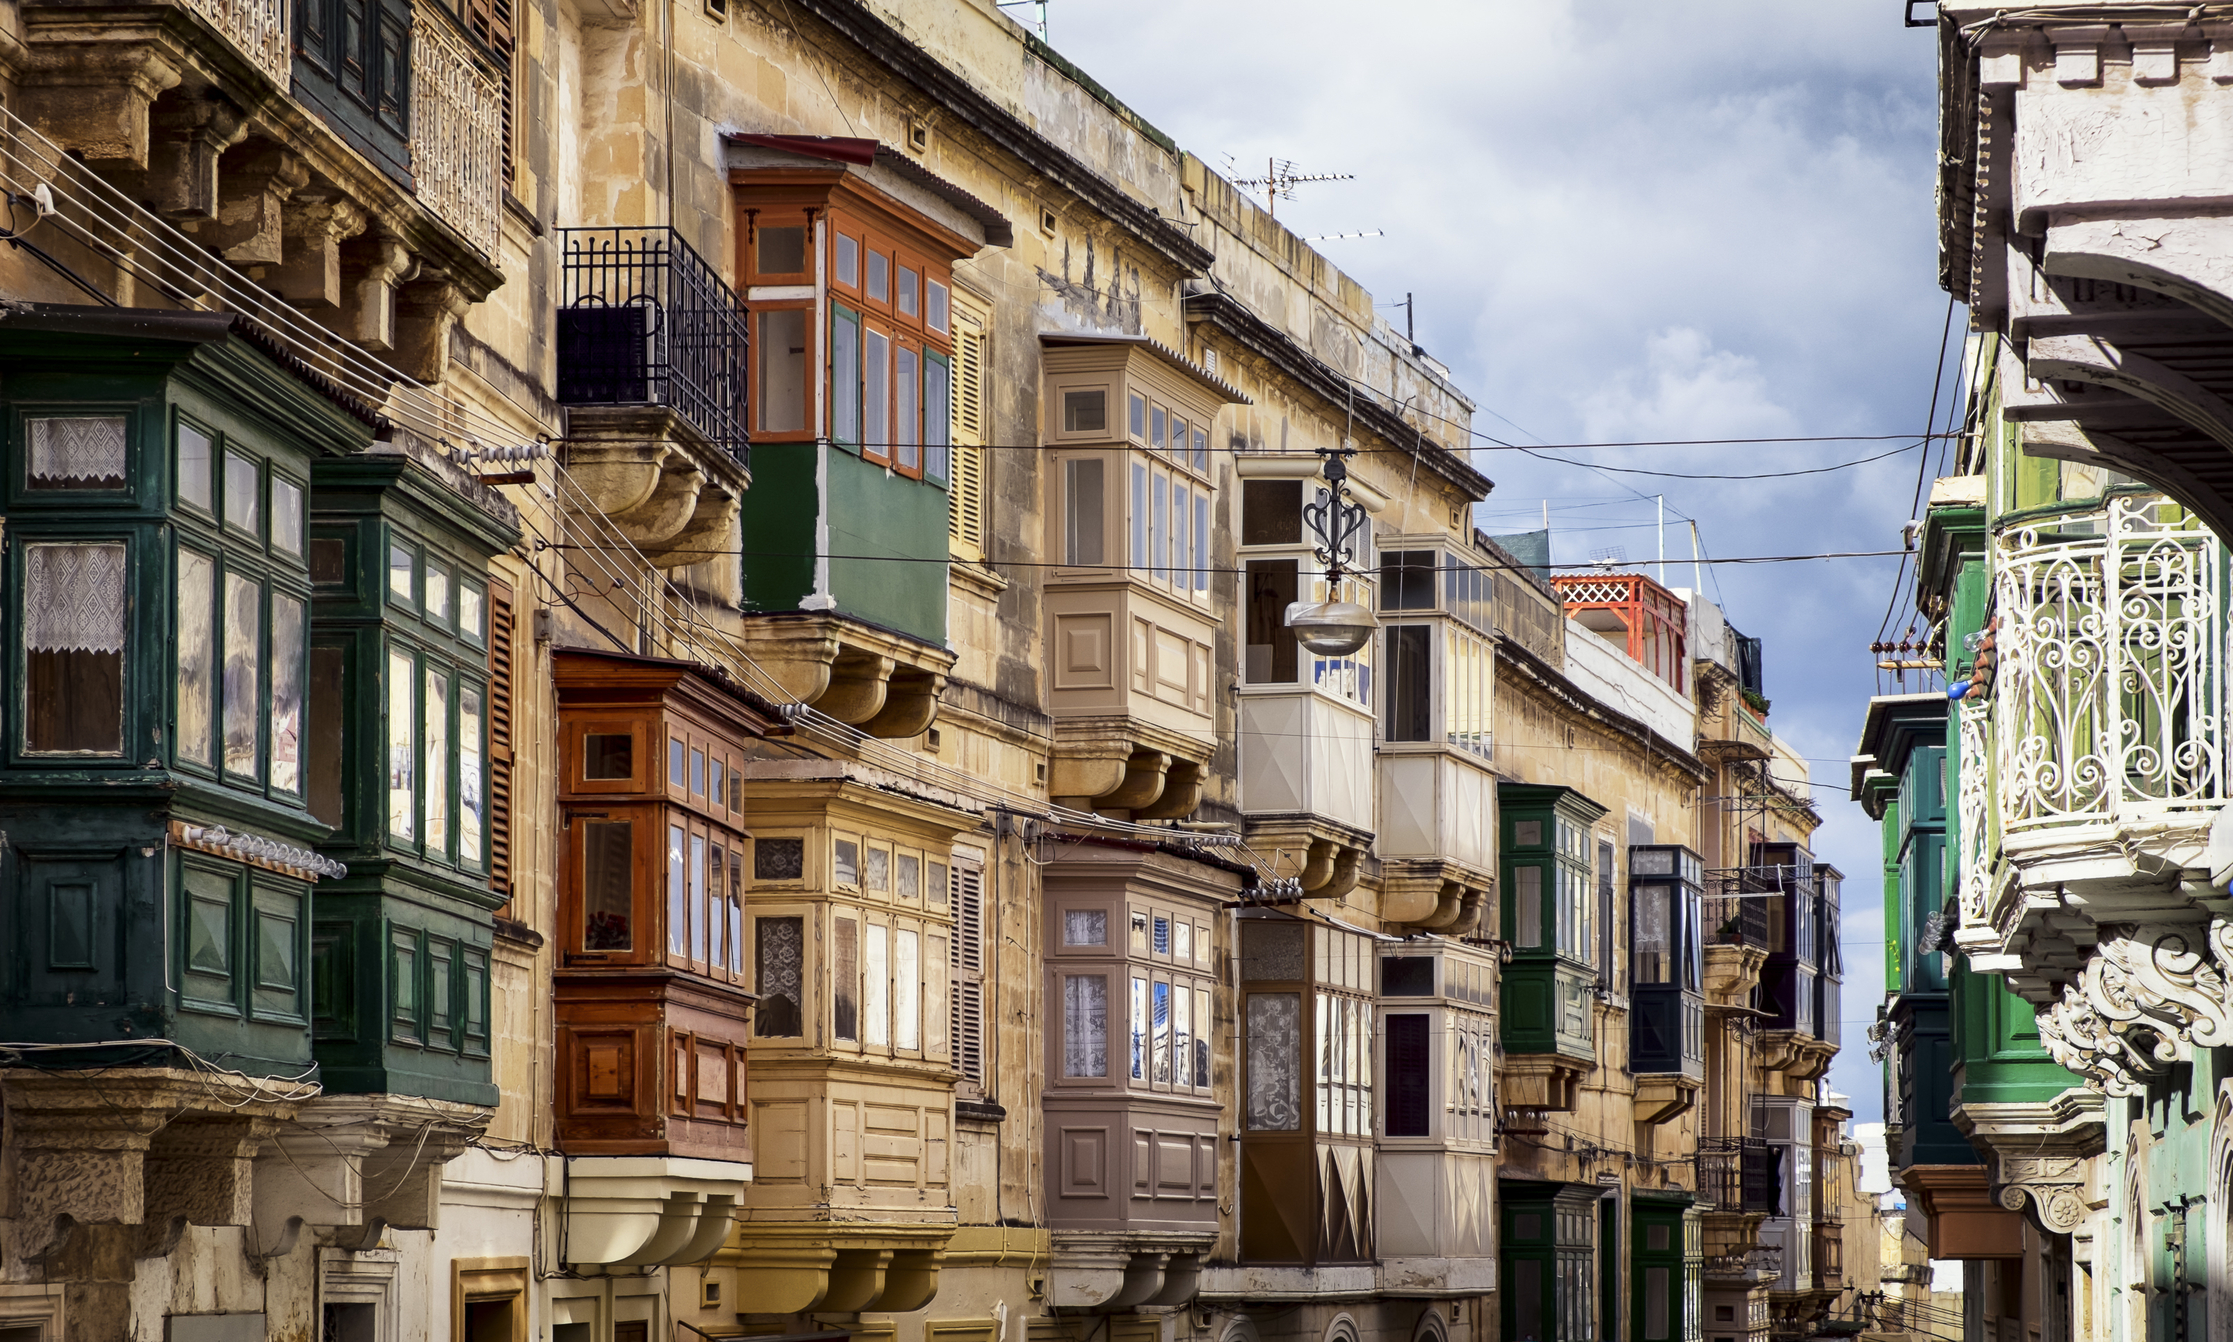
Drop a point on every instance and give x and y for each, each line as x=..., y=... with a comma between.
x=2055, y=1186
x=1096, y=1270
x=649, y=1211
x=886, y=684
x=1126, y=767
x=836, y=1269
x=1325, y=856
x=2146, y=998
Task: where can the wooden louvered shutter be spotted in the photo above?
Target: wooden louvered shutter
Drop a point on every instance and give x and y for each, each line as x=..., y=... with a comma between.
x=965, y=501
x=500, y=632
x=966, y=1004
x=491, y=22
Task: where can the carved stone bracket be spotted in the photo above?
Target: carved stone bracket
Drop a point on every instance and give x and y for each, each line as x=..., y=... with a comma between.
x=2055, y=1185
x=2148, y=995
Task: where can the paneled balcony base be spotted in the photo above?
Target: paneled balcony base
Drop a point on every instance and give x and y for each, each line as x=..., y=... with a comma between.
x=1966, y=1220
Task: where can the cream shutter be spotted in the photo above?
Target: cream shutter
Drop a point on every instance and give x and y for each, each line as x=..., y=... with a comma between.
x=965, y=517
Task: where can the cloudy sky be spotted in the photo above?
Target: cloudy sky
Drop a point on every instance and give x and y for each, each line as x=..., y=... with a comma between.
x=1624, y=222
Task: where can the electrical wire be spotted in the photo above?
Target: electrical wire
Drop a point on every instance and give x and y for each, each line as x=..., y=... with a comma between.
x=1582, y=569
x=1747, y=475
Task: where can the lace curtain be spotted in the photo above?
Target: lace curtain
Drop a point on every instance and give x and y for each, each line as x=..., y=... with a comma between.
x=1275, y=1044
x=74, y=598
x=779, y=954
x=78, y=449
x=1085, y=1025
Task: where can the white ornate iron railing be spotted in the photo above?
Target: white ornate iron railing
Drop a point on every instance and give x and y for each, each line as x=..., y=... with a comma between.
x=1974, y=813
x=457, y=133
x=262, y=29
x=2108, y=702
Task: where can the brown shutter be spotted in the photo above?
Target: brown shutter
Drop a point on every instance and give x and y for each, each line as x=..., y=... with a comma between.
x=966, y=1005
x=500, y=630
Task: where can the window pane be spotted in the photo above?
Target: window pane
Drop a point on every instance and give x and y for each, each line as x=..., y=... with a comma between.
x=244, y=620
x=783, y=371
x=1182, y=1034
x=1410, y=683
x=1651, y=958
x=848, y=260
x=197, y=651
x=608, y=885
x=85, y=452
x=876, y=998
x=286, y=516
x=1083, y=511
x=1527, y=906
x=938, y=416
x=244, y=495
x=778, y=975
x=907, y=989
x=1159, y=1027
x=678, y=897
x=469, y=602
x=782, y=250
x=1409, y=1074
x=1085, y=411
x=73, y=640
x=1157, y=428
x=286, y=692
x=1201, y=1038
x=697, y=772
x=907, y=425
x=1201, y=542
x=437, y=593
x=678, y=766
x=700, y=934
x=845, y=960
x=1201, y=451
x=908, y=281
x=402, y=569
x=845, y=376
x=1139, y=1029
x=878, y=875
x=1182, y=535
x=1182, y=940
x=1271, y=650
x=437, y=777
x=1138, y=559
x=845, y=862
x=876, y=395
x=734, y=915
x=194, y=449
x=1159, y=527
x=1085, y=1025
x=879, y=276
x=910, y=876
x=1274, y=1042
x=330, y=675
x=934, y=306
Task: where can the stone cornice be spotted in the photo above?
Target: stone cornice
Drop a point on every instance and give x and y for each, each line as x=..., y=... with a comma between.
x=1547, y=680
x=957, y=98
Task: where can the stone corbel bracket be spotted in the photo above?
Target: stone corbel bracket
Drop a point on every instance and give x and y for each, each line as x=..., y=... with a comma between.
x=649, y=1211
x=1327, y=857
x=1126, y=768
x=1122, y=1271
x=2145, y=999
x=1446, y=898
x=884, y=683
x=825, y=1268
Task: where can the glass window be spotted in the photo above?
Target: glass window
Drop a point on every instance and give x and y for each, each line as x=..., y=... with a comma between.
x=677, y=764
x=1407, y=976
x=782, y=250
x=73, y=641
x=1085, y=927
x=940, y=879
x=1527, y=907
x=910, y=876
x=402, y=570
x=876, y=982
x=437, y=593
x=1201, y=1039
x=80, y=451
x=1182, y=940
x=1158, y=427
x=1182, y=1035
x=938, y=416
x=608, y=884
x=715, y=788
x=243, y=707
x=1085, y=1025
x=1083, y=511
x=1275, y=1042
x=1410, y=683
x=1085, y=411
x=876, y=395
x=1271, y=512
x=782, y=370
x=779, y=972
x=697, y=772
x=286, y=692
x=848, y=261
x=879, y=277
x=877, y=873
x=735, y=913
x=1651, y=958
x=845, y=987
x=1136, y=408
x=678, y=895
x=608, y=755
x=194, y=464
x=1159, y=1036
x=907, y=989
x=907, y=412
x=403, y=807
x=1202, y=451
x=1161, y=940
x=1201, y=541
x=846, y=860
x=1410, y=1064
x=286, y=516
x=908, y=290
x=197, y=653
x=437, y=752
x=1407, y=580
x=1139, y=1029
x=1138, y=558
x=935, y=306
x=1271, y=653
x=244, y=495
x=1159, y=526
x=701, y=934
x=845, y=375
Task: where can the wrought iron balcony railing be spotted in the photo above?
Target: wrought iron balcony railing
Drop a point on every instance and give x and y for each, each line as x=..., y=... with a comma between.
x=644, y=320
x=262, y=29
x=2107, y=706
x=457, y=131
x=1738, y=1174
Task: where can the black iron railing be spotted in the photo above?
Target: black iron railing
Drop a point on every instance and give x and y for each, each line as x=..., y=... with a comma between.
x=1737, y=906
x=1738, y=1174
x=644, y=320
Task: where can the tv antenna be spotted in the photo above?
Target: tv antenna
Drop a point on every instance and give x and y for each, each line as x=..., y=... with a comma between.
x=1042, y=6
x=1281, y=179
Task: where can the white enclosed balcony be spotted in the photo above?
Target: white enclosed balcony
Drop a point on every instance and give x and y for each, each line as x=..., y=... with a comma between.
x=2091, y=780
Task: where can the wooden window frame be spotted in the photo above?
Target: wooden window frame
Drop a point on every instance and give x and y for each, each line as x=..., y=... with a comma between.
x=481, y=1280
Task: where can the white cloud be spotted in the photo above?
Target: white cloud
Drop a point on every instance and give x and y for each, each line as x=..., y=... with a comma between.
x=1686, y=389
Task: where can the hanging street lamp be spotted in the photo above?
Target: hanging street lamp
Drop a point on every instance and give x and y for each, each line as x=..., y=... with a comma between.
x=1333, y=628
